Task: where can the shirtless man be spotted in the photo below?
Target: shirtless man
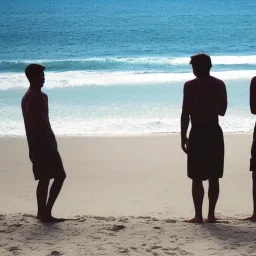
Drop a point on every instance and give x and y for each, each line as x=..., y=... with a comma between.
x=43, y=151
x=205, y=98
x=253, y=149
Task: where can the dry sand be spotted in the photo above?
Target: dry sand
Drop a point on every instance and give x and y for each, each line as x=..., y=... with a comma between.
x=129, y=195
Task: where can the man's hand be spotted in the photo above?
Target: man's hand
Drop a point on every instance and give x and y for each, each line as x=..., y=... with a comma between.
x=185, y=144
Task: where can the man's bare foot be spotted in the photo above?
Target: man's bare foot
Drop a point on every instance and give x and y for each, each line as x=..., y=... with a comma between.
x=252, y=218
x=211, y=219
x=51, y=219
x=195, y=220
x=46, y=217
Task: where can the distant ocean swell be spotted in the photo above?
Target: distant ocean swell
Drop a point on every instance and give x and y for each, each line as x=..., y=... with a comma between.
x=176, y=64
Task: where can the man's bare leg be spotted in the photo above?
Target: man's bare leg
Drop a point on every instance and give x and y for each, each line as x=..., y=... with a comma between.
x=54, y=192
x=41, y=194
x=198, y=196
x=213, y=195
x=253, y=217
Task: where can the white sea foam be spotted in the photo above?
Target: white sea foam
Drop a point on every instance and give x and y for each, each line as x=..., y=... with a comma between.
x=75, y=119
x=84, y=78
x=103, y=126
x=181, y=61
x=216, y=60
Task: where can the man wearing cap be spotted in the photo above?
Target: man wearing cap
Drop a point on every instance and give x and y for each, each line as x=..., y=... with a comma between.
x=43, y=150
x=204, y=99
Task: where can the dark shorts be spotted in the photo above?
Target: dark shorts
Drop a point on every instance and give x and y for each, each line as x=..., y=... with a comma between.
x=47, y=165
x=253, y=152
x=206, y=152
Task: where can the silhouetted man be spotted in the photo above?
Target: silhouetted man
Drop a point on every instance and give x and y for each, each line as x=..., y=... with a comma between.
x=205, y=98
x=253, y=149
x=43, y=151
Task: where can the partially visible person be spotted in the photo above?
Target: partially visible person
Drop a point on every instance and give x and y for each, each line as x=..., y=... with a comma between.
x=43, y=150
x=204, y=100
x=253, y=148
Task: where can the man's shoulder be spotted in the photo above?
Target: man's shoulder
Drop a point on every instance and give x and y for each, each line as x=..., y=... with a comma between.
x=217, y=80
x=33, y=96
x=36, y=94
x=26, y=96
x=191, y=82
x=44, y=94
x=254, y=79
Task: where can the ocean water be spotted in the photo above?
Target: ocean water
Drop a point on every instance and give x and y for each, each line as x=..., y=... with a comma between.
x=118, y=67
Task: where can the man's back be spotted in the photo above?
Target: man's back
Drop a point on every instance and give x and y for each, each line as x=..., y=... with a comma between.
x=35, y=114
x=206, y=99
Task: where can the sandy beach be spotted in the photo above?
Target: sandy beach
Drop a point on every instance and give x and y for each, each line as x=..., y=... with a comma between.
x=128, y=195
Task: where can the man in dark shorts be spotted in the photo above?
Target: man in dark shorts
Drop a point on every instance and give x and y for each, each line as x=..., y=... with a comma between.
x=205, y=98
x=43, y=151
x=253, y=148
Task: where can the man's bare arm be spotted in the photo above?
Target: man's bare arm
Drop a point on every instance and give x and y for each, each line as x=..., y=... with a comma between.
x=184, y=124
x=185, y=118
x=50, y=131
x=223, y=100
x=253, y=96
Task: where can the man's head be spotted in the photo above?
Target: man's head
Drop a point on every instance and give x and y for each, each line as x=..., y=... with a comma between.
x=201, y=64
x=35, y=75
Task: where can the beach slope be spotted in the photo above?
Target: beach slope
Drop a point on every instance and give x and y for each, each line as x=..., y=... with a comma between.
x=127, y=195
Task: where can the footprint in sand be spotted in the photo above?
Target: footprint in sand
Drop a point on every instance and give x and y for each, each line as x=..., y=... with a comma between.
x=183, y=252
x=17, y=225
x=55, y=253
x=26, y=215
x=170, y=221
x=116, y=228
x=144, y=217
x=81, y=219
x=123, y=250
x=154, y=247
x=93, y=237
x=123, y=219
x=174, y=239
x=168, y=251
x=104, y=218
x=14, y=248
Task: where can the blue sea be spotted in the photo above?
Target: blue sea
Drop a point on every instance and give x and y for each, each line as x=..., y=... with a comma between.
x=118, y=67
